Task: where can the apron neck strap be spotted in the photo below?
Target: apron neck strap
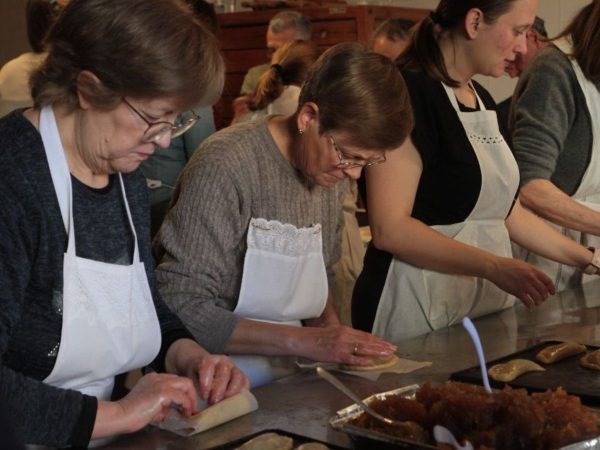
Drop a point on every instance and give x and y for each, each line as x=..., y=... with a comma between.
x=61, y=178
x=59, y=170
x=454, y=101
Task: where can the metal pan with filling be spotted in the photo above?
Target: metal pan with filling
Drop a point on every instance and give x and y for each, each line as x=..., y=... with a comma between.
x=512, y=369
x=558, y=352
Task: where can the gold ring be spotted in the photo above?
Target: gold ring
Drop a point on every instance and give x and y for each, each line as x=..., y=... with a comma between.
x=355, y=351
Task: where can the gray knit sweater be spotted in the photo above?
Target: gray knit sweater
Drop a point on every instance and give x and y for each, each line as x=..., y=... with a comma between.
x=237, y=174
x=550, y=123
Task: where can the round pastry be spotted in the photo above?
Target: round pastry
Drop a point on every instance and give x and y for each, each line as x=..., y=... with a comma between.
x=312, y=446
x=268, y=441
x=379, y=363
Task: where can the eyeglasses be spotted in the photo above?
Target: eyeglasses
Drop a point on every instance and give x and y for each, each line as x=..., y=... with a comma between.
x=157, y=130
x=352, y=162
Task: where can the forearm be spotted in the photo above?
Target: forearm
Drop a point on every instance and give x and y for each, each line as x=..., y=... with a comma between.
x=549, y=202
x=111, y=420
x=420, y=245
x=263, y=338
x=44, y=414
x=530, y=232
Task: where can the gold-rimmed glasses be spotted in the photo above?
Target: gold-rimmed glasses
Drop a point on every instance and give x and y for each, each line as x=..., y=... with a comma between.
x=157, y=130
x=350, y=162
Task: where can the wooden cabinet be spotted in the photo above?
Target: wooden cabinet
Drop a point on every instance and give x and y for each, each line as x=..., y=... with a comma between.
x=242, y=38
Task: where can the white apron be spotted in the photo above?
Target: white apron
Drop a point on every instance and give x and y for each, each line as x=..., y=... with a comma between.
x=284, y=278
x=415, y=301
x=284, y=281
x=588, y=192
x=109, y=323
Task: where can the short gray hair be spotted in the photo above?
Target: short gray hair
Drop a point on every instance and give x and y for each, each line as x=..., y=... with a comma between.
x=291, y=19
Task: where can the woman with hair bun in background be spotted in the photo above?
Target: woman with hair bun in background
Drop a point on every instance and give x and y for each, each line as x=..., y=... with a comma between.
x=279, y=87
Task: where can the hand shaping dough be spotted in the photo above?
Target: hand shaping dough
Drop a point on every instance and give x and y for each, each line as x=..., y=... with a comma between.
x=380, y=363
x=591, y=360
x=513, y=369
x=555, y=353
x=268, y=441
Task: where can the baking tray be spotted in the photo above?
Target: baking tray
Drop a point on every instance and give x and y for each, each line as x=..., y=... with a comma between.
x=568, y=374
x=365, y=438
x=368, y=439
x=298, y=440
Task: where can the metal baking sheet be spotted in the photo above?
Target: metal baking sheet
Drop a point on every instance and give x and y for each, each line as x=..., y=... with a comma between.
x=298, y=440
x=568, y=374
x=373, y=439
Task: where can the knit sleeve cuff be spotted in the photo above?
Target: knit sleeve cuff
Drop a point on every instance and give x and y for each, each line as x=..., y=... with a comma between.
x=82, y=433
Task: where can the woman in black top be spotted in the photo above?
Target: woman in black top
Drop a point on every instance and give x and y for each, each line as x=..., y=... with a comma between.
x=443, y=210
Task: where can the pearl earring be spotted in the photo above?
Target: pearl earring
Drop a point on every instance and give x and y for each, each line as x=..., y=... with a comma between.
x=300, y=132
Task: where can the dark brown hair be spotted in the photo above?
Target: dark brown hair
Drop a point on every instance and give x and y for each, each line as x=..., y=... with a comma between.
x=360, y=93
x=424, y=51
x=290, y=64
x=136, y=48
x=206, y=13
x=39, y=16
x=584, y=31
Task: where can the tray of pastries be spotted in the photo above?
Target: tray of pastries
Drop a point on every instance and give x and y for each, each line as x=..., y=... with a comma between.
x=572, y=366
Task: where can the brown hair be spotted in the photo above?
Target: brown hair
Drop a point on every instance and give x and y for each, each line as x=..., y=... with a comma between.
x=39, y=15
x=360, y=93
x=394, y=29
x=584, y=31
x=290, y=64
x=137, y=48
x=206, y=13
x=424, y=51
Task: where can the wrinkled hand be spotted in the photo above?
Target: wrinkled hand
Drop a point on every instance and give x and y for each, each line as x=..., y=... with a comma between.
x=524, y=281
x=341, y=344
x=217, y=378
x=153, y=396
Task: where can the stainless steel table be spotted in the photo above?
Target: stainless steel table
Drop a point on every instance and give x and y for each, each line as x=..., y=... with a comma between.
x=303, y=403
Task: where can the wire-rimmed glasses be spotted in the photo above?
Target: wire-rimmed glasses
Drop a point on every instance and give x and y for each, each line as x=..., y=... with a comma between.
x=352, y=162
x=157, y=130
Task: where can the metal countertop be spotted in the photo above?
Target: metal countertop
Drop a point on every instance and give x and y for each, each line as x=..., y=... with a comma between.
x=303, y=403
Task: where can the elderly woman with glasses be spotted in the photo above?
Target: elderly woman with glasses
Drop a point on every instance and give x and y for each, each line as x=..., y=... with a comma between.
x=254, y=228
x=78, y=292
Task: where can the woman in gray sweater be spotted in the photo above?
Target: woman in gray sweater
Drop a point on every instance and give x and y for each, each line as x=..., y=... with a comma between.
x=254, y=229
x=556, y=138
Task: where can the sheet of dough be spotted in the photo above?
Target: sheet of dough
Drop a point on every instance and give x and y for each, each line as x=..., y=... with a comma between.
x=224, y=411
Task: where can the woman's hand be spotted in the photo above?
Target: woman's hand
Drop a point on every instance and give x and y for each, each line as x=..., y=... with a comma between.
x=215, y=376
x=218, y=378
x=150, y=400
x=341, y=344
x=524, y=281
